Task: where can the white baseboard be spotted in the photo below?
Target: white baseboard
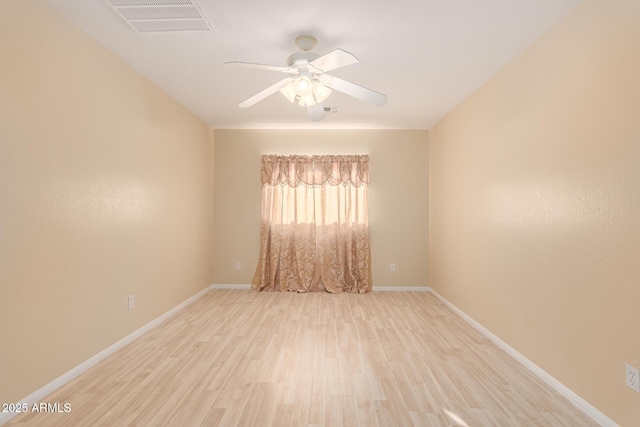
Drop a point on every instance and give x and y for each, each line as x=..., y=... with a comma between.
x=400, y=289
x=43, y=392
x=375, y=288
x=230, y=287
x=576, y=400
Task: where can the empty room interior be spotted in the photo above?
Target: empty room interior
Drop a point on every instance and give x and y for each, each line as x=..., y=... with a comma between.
x=416, y=213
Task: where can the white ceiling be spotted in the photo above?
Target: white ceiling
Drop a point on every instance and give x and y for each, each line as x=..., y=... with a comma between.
x=425, y=55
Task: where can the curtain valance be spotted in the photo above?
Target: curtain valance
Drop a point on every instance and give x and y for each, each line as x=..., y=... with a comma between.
x=315, y=170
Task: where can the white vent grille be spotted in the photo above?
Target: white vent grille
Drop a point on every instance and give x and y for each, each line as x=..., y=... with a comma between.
x=149, y=2
x=154, y=16
x=159, y=13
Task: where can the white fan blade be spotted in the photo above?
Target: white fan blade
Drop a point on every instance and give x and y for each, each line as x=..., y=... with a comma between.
x=352, y=89
x=335, y=59
x=263, y=94
x=316, y=112
x=259, y=66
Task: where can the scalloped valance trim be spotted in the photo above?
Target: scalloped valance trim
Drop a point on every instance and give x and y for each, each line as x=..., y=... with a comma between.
x=316, y=170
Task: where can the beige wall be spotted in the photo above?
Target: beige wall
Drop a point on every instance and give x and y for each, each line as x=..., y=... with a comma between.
x=105, y=191
x=534, y=195
x=397, y=196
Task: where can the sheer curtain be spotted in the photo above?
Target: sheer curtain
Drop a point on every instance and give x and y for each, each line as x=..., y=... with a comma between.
x=315, y=226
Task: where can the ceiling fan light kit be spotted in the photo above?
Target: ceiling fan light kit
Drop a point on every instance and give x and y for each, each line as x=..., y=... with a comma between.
x=302, y=85
x=289, y=92
x=308, y=83
x=320, y=91
x=306, y=90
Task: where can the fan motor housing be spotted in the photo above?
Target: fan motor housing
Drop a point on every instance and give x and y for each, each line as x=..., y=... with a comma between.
x=301, y=59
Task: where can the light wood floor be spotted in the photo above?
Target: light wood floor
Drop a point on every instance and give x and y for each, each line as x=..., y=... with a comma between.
x=238, y=357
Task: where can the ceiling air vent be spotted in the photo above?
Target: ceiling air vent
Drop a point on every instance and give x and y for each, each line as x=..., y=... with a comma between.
x=160, y=16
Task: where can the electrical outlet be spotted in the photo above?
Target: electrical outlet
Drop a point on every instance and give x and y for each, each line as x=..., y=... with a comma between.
x=632, y=378
x=392, y=267
x=132, y=301
x=237, y=265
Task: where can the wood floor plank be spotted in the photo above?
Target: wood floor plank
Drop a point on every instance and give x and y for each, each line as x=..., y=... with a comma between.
x=240, y=357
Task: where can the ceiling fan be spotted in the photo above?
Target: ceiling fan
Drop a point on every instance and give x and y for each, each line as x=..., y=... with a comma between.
x=308, y=83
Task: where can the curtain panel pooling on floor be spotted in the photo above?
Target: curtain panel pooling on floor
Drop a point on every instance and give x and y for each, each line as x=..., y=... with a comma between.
x=315, y=226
